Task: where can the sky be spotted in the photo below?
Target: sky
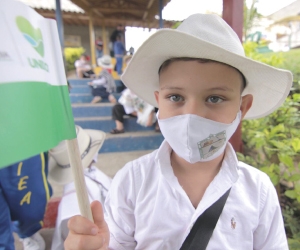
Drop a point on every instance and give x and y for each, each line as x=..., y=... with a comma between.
x=181, y=9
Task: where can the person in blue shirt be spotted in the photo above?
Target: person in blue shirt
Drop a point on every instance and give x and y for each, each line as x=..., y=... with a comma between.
x=119, y=51
x=24, y=193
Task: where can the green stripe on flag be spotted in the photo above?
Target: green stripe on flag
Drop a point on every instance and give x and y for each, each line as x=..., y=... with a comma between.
x=34, y=117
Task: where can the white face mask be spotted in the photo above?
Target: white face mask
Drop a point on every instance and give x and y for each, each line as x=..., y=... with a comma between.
x=195, y=138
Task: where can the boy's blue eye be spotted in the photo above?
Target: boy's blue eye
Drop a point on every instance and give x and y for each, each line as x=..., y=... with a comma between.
x=214, y=99
x=175, y=98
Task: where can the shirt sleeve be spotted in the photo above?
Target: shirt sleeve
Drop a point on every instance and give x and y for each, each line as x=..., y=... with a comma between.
x=270, y=233
x=119, y=210
x=77, y=64
x=99, y=82
x=127, y=101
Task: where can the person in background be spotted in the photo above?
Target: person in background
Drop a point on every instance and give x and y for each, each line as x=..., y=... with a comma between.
x=130, y=104
x=83, y=68
x=119, y=31
x=131, y=51
x=104, y=85
x=97, y=183
x=99, y=47
x=119, y=51
x=24, y=193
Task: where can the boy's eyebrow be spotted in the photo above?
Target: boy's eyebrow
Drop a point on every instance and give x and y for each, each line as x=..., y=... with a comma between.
x=222, y=88
x=170, y=87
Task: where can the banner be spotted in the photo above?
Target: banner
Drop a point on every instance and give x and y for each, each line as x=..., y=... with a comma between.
x=35, y=109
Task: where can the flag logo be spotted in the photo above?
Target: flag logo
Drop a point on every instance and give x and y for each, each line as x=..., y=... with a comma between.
x=32, y=35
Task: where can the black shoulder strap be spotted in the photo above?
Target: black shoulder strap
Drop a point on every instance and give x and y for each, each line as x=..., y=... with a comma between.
x=204, y=226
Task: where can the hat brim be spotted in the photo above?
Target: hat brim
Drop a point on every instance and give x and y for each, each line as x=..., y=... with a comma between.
x=105, y=66
x=268, y=85
x=63, y=176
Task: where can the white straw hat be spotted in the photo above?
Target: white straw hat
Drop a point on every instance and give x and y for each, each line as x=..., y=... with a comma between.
x=105, y=62
x=206, y=36
x=89, y=142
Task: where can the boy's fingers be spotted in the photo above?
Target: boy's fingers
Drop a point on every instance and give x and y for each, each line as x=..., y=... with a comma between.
x=84, y=234
x=98, y=215
x=81, y=225
x=82, y=242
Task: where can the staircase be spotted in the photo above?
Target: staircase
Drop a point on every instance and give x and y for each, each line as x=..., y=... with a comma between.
x=98, y=116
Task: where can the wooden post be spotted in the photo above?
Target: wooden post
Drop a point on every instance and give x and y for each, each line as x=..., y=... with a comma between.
x=233, y=14
x=160, y=7
x=92, y=40
x=104, y=39
x=233, y=11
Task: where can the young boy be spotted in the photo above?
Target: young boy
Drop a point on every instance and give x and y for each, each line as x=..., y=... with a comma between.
x=104, y=85
x=203, y=85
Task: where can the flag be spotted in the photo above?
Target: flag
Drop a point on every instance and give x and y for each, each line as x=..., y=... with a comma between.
x=35, y=109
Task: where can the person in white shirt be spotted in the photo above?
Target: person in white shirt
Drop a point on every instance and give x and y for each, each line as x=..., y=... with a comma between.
x=203, y=85
x=97, y=183
x=104, y=85
x=130, y=104
x=83, y=68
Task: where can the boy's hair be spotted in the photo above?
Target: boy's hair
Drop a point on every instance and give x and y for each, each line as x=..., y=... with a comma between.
x=200, y=60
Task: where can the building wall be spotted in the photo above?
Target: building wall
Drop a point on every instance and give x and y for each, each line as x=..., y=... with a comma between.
x=83, y=33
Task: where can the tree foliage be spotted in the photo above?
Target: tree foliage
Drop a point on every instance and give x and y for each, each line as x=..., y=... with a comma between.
x=272, y=144
x=71, y=55
x=250, y=16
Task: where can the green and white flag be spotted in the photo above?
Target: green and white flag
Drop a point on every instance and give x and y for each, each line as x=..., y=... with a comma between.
x=35, y=109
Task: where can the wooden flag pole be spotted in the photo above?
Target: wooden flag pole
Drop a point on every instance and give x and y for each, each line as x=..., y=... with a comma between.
x=77, y=170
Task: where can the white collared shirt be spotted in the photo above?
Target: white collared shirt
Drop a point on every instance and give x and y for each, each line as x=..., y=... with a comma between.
x=146, y=207
x=97, y=185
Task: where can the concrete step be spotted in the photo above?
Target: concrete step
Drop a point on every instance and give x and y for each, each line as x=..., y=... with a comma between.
x=80, y=89
x=135, y=141
x=86, y=89
x=87, y=97
x=91, y=110
x=76, y=81
x=83, y=82
x=106, y=124
x=81, y=98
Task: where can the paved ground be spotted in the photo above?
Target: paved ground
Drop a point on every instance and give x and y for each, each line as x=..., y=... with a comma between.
x=109, y=163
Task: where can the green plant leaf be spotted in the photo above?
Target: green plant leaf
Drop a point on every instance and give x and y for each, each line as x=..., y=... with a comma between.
x=277, y=144
x=286, y=160
x=296, y=97
x=277, y=129
x=291, y=194
x=295, y=177
x=274, y=178
x=296, y=144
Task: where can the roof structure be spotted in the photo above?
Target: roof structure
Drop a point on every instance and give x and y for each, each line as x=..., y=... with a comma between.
x=66, y=5
x=135, y=13
x=292, y=9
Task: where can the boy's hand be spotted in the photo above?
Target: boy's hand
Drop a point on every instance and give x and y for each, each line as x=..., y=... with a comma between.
x=84, y=234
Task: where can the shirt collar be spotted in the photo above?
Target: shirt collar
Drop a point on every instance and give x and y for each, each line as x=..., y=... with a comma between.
x=229, y=166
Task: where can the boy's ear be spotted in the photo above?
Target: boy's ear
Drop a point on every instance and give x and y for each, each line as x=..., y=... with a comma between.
x=156, y=93
x=246, y=104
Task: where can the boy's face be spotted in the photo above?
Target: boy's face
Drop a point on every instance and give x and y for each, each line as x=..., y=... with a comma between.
x=210, y=90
